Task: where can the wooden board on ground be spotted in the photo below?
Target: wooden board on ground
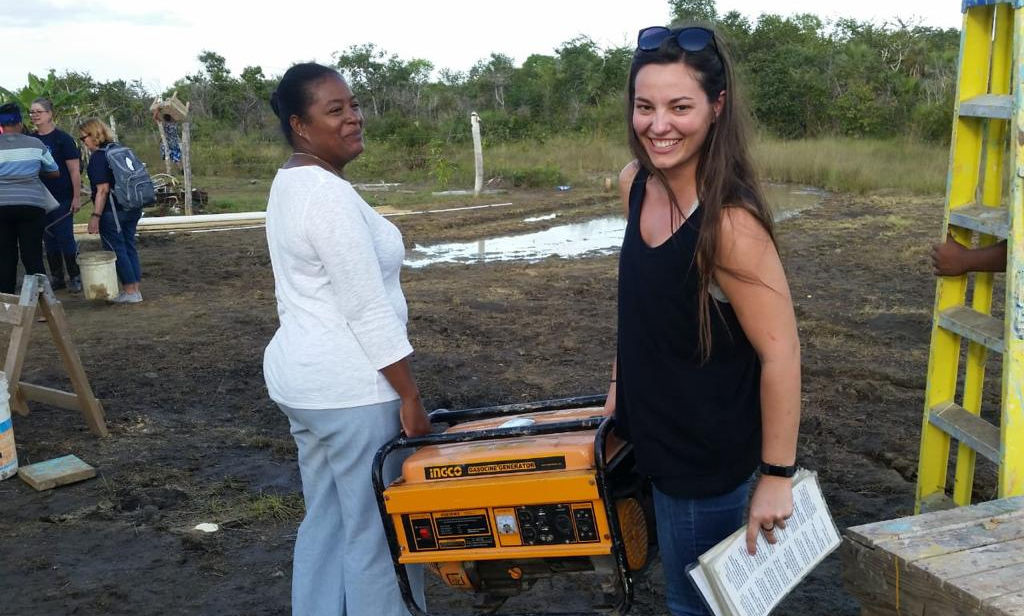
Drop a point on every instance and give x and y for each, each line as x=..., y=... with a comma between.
x=968, y=560
x=56, y=472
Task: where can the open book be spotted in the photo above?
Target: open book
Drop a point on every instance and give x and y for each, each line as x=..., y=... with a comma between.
x=734, y=583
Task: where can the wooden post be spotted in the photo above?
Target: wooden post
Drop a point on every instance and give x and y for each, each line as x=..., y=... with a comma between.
x=186, y=156
x=478, y=154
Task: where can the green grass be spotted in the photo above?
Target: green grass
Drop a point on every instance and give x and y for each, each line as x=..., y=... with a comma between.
x=237, y=170
x=855, y=165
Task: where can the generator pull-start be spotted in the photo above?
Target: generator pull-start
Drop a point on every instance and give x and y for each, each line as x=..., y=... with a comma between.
x=511, y=494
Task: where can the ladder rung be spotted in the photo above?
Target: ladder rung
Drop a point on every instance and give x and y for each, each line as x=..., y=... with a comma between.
x=973, y=325
x=991, y=220
x=968, y=428
x=998, y=106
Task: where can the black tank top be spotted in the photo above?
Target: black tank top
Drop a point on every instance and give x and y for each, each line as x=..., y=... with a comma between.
x=696, y=426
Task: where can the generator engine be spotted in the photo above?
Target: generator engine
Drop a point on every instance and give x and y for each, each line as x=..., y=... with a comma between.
x=512, y=494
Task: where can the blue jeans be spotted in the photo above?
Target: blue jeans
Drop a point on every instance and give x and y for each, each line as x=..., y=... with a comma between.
x=122, y=243
x=59, y=235
x=688, y=527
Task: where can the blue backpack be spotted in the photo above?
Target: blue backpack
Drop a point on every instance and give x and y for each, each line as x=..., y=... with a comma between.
x=133, y=188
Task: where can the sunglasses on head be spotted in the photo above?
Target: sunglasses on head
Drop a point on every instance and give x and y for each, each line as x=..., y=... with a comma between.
x=689, y=39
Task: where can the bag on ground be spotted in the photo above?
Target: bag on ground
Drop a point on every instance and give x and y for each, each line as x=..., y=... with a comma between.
x=133, y=188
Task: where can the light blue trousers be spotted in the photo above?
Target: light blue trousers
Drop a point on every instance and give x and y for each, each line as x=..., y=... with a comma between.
x=342, y=566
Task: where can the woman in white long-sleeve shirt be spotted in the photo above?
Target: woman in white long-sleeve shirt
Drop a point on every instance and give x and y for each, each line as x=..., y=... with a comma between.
x=338, y=364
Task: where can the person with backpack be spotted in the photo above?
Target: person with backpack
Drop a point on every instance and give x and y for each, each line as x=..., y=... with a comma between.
x=58, y=235
x=113, y=216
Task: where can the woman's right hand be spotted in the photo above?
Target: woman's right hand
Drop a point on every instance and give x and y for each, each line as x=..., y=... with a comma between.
x=414, y=417
x=94, y=225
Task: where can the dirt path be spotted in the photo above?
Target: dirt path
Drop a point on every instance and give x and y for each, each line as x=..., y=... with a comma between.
x=194, y=437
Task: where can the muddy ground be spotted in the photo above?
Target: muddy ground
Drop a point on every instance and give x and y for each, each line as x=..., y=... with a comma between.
x=194, y=437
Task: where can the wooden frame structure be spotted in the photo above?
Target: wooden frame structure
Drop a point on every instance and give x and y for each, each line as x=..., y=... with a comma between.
x=20, y=311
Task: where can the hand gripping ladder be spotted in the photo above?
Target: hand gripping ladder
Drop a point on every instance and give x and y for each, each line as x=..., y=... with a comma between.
x=987, y=124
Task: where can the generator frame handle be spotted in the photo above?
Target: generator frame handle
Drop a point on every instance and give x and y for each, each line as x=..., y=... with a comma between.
x=453, y=417
x=603, y=425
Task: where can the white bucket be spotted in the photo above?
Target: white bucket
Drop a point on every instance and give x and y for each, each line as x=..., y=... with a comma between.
x=8, y=454
x=99, y=276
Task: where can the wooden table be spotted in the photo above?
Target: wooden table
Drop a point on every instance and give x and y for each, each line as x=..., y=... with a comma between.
x=968, y=560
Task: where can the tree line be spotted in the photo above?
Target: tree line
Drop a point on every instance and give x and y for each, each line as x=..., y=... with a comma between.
x=803, y=77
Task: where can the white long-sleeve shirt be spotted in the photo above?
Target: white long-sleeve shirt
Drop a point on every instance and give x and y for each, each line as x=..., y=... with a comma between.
x=336, y=276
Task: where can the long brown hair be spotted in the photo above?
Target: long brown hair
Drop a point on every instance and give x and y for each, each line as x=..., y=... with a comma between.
x=725, y=174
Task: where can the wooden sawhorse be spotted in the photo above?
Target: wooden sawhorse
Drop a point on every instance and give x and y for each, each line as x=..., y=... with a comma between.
x=20, y=311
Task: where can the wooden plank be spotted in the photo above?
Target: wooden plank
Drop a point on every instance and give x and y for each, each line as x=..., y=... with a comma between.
x=86, y=402
x=884, y=584
x=56, y=472
x=7, y=298
x=991, y=584
x=980, y=559
x=52, y=397
x=916, y=525
x=11, y=314
x=1010, y=603
x=997, y=529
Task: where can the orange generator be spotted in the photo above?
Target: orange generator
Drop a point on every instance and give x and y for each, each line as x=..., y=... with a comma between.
x=511, y=494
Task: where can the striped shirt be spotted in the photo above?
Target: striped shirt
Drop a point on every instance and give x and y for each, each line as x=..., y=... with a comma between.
x=22, y=158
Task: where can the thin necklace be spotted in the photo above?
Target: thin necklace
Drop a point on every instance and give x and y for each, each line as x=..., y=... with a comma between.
x=326, y=165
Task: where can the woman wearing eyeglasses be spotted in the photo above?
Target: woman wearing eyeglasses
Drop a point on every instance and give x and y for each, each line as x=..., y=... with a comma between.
x=338, y=365
x=706, y=382
x=59, y=235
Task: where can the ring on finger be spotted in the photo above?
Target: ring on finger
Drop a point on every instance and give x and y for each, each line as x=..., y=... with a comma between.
x=768, y=529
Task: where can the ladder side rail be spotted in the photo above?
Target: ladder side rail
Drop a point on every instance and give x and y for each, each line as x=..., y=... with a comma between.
x=1011, y=424
x=995, y=155
x=961, y=189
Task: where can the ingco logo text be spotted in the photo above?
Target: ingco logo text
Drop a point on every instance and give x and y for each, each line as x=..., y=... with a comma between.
x=445, y=472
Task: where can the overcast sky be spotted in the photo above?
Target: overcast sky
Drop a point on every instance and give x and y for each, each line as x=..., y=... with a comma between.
x=116, y=39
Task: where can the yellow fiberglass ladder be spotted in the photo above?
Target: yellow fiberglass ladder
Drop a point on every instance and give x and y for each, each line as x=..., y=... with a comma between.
x=989, y=110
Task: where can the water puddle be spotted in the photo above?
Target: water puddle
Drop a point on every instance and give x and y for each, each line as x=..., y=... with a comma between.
x=596, y=237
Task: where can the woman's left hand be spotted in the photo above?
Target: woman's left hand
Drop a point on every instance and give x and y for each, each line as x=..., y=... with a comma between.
x=770, y=507
x=94, y=225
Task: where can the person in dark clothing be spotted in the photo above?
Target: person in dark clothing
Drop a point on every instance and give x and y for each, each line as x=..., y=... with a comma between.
x=706, y=381
x=23, y=198
x=59, y=235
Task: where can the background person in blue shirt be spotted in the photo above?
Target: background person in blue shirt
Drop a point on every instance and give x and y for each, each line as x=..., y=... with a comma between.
x=23, y=198
x=59, y=235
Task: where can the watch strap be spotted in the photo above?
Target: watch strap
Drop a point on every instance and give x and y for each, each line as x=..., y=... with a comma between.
x=777, y=471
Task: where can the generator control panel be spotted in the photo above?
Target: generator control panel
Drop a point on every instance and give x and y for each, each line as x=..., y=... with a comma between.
x=556, y=524
x=525, y=525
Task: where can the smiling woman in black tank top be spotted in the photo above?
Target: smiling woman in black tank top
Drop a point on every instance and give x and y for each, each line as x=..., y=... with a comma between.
x=706, y=381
